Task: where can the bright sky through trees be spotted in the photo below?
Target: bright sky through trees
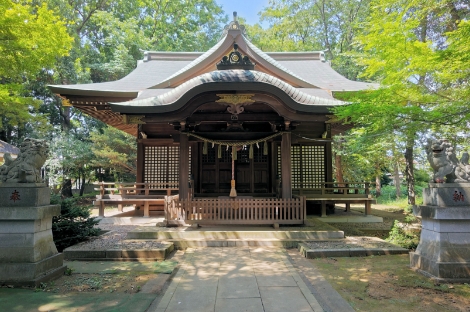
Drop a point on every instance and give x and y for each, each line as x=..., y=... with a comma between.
x=247, y=9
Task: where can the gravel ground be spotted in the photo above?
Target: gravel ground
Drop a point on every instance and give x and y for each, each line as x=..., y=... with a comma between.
x=116, y=239
x=351, y=242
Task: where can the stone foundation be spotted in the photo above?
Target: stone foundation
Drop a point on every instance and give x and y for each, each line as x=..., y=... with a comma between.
x=443, y=252
x=28, y=255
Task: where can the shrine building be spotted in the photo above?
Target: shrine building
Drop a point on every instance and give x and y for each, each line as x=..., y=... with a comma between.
x=232, y=123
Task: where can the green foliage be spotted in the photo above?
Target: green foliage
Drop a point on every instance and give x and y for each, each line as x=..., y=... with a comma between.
x=70, y=158
x=31, y=39
x=422, y=177
x=389, y=195
x=416, y=60
x=411, y=48
x=74, y=224
x=68, y=271
x=116, y=150
x=304, y=25
x=398, y=236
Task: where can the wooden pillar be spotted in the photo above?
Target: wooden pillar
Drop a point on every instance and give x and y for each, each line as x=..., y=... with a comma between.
x=286, y=165
x=184, y=167
x=140, y=162
x=328, y=156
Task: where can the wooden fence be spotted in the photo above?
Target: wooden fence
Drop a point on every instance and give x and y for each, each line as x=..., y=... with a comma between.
x=344, y=192
x=237, y=211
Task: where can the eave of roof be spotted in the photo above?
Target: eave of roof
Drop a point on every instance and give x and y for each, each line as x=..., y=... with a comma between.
x=239, y=80
x=163, y=70
x=8, y=148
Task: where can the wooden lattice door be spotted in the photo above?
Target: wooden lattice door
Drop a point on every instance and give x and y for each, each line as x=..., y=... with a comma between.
x=161, y=164
x=308, y=163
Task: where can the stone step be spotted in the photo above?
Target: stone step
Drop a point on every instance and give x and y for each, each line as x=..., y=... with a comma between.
x=249, y=235
x=194, y=243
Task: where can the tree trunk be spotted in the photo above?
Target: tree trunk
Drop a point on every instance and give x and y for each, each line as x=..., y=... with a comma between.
x=82, y=186
x=409, y=169
x=378, y=186
x=67, y=188
x=339, y=169
x=396, y=178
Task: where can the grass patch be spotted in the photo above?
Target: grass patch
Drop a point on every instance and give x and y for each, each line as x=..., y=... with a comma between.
x=386, y=283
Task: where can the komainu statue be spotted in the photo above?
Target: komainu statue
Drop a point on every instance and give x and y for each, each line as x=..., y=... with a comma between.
x=445, y=164
x=26, y=168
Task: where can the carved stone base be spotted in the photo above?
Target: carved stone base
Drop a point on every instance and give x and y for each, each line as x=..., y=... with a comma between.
x=447, y=194
x=32, y=274
x=443, y=252
x=28, y=255
x=24, y=195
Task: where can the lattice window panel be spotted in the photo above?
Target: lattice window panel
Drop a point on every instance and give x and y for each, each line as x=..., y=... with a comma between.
x=308, y=165
x=313, y=166
x=296, y=165
x=161, y=163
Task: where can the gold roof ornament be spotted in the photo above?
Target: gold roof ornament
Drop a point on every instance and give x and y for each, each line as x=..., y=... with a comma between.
x=235, y=60
x=236, y=102
x=133, y=119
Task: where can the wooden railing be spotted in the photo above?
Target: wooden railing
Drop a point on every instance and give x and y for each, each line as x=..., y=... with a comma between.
x=133, y=188
x=139, y=194
x=172, y=209
x=239, y=211
x=344, y=192
x=347, y=189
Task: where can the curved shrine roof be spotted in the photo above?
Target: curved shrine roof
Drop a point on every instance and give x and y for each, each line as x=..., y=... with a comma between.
x=161, y=78
x=220, y=80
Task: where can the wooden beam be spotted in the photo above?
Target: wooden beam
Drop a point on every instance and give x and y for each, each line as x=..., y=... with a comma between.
x=184, y=167
x=272, y=117
x=140, y=162
x=286, y=165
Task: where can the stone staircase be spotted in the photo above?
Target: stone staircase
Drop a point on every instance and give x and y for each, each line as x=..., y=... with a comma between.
x=230, y=236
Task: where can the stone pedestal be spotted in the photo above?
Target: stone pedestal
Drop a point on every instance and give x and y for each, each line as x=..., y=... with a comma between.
x=28, y=255
x=443, y=252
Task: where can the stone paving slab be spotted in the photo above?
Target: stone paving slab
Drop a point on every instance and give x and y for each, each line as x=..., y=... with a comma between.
x=237, y=305
x=275, y=299
x=262, y=279
x=327, y=298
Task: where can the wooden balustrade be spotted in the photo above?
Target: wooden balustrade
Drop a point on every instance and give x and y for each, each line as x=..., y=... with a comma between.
x=238, y=210
x=344, y=192
x=140, y=194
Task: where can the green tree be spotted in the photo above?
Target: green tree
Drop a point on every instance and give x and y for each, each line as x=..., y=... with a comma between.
x=417, y=51
x=71, y=159
x=304, y=25
x=117, y=151
x=31, y=39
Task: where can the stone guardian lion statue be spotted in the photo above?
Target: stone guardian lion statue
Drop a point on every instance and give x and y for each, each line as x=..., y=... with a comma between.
x=446, y=166
x=26, y=168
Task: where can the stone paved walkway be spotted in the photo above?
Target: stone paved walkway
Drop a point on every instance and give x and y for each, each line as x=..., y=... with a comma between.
x=238, y=279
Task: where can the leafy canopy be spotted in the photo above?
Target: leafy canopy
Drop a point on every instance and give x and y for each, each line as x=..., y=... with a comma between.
x=418, y=50
x=31, y=39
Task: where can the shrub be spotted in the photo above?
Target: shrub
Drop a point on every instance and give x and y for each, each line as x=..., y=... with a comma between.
x=399, y=237
x=74, y=225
